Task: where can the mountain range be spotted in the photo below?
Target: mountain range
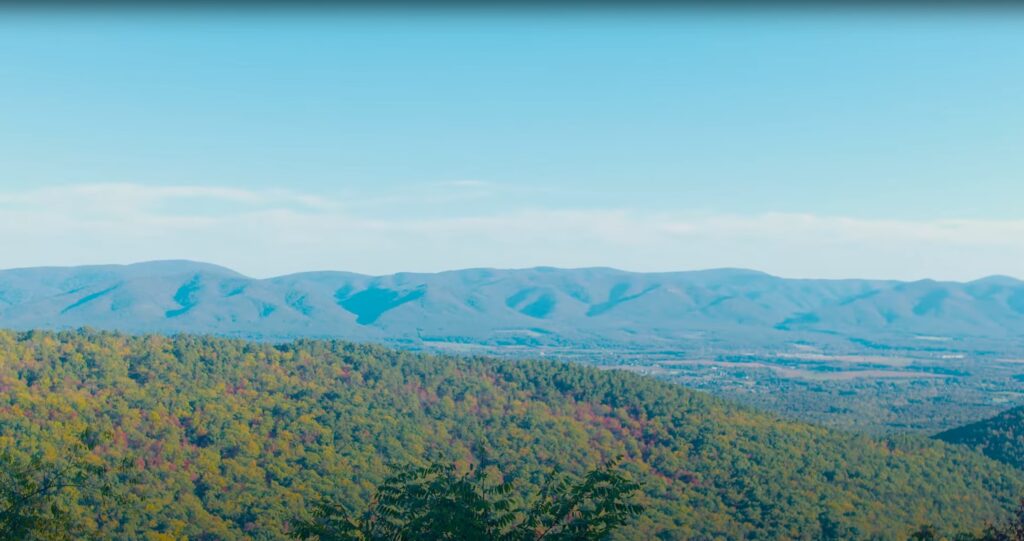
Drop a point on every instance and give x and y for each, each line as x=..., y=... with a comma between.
x=591, y=307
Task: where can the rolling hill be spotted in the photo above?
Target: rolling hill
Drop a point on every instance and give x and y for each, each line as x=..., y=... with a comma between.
x=539, y=306
x=226, y=439
x=1000, y=437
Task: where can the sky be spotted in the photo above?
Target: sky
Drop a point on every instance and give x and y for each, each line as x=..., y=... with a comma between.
x=832, y=143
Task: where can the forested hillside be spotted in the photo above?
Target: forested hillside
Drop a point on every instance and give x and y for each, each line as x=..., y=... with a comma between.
x=1000, y=437
x=227, y=439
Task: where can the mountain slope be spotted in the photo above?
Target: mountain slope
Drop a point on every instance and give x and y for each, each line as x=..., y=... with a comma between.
x=541, y=306
x=228, y=438
x=1000, y=437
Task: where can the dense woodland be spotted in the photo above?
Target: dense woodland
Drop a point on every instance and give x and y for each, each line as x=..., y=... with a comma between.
x=227, y=439
x=1001, y=437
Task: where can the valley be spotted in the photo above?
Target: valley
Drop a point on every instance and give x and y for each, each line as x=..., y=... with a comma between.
x=892, y=391
x=866, y=355
x=922, y=395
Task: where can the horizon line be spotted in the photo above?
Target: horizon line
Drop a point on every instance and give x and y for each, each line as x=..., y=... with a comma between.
x=500, y=269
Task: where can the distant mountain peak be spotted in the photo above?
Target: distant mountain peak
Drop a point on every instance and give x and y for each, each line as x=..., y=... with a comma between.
x=174, y=266
x=156, y=267
x=998, y=279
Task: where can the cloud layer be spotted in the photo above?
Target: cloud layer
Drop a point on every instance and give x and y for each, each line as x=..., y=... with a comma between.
x=269, y=232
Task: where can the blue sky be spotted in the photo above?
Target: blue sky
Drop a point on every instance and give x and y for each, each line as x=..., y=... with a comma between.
x=830, y=144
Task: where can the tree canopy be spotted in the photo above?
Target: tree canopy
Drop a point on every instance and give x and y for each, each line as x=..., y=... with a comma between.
x=226, y=439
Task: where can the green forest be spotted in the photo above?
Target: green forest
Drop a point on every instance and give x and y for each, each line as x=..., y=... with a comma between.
x=1000, y=437
x=210, y=438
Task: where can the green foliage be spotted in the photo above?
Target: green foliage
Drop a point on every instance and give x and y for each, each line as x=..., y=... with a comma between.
x=36, y=495
x=925, y=533
x=1010, y=530
x=1001, y=437
x=227, y=439
x=587, y=510
x=436, y=502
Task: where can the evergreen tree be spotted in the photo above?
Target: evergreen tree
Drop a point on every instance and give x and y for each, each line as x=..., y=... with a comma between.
x=436, y=502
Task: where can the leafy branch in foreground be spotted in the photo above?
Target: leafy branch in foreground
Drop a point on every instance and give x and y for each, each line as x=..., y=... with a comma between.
x=33, y=492
x=437, y=502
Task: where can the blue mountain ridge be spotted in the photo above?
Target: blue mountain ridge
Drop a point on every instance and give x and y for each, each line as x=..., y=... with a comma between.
x=536, y=306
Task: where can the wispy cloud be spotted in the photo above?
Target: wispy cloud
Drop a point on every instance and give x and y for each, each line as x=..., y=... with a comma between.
x=126, y=198
x=274, y=231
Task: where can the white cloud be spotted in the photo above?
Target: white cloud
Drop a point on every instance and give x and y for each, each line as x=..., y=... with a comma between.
x=124, y=198
x=274, y=231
